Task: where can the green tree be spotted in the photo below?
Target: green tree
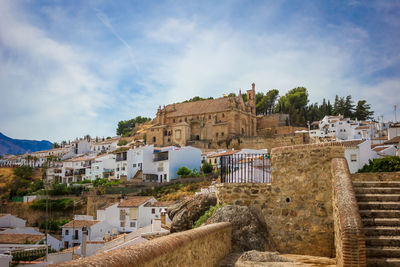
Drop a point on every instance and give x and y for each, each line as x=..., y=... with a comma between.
x=363, y=111
x=266, y=104
x=207, y=167
x=348, y=107
x=294, y=103
x=183, y=171
x=125, y=128
x=56, y=145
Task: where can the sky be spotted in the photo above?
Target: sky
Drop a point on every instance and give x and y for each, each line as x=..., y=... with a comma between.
x=71, y=68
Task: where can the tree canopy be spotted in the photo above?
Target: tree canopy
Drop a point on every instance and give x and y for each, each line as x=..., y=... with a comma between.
x=125, y=128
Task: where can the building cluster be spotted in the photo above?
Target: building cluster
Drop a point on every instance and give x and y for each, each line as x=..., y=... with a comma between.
x=84, y=159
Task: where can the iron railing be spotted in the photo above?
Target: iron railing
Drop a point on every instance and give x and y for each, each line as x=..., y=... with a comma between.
x=245, y=168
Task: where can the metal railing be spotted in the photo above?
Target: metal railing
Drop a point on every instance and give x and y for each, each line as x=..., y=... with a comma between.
x=245, y=168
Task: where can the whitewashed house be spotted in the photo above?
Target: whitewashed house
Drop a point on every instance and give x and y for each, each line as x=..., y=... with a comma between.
x=393, y=130
x=129, y=161
x=133, y=213
x=358, y=153
x=78, y=147
x=385, y=150
x=72, y=232
x=11, y=221
x=161, y=164
x=103, y=166
x=105, y=146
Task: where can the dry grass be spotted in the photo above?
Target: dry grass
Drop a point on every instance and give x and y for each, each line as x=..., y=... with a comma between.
x=6, y=176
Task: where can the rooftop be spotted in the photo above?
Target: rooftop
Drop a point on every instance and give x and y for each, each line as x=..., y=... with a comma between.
x=20, y=238
x=160, y=204
x=134, y=201
x=393, y=141
x=80, y=223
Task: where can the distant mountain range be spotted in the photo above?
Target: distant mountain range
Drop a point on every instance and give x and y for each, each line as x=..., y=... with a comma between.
x=17, y=146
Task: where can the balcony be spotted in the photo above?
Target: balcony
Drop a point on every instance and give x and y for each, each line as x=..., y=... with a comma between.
x=160, y=156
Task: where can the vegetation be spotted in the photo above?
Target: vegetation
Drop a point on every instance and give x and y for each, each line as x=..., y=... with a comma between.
x=207, y=168
x=23, y=182
x=105, y=182
x=53, y=225
x=122, y=142
x=125, y=128
x=185, y=172
x=198, y=98
x=62, y=189
x=386, y=164
x=54, y=204
x=206, y=216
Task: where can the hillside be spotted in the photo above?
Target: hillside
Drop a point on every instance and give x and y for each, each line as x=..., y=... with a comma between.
x=18, y=146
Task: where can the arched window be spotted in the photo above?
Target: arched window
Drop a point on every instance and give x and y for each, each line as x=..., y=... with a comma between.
x=154, y=139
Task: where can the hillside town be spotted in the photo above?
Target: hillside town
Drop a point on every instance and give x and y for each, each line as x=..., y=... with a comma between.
x=184, y=135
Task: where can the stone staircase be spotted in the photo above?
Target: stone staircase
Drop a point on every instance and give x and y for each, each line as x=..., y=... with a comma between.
x=379, y=205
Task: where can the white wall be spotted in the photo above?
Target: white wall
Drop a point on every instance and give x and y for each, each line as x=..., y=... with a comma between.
x=393, y=132
x=185, y=156
x=99, y=230
x=54, y=242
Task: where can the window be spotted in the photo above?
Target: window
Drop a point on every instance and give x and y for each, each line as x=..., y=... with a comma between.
x=133, y=224
x=333, y=125
x=66, y=232
x=134, y=165
x=223, y=115
x=153, y=211
x=174, y=120
x=209, y=116
x=216, y=134
x=185, y=119
x=353, y=157
x=154, y=139
x=215, y=161
x=122, y=224
x=222, y=134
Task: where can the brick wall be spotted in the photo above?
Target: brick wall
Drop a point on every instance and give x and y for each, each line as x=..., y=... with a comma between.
x=349, y=239
x=203, y=246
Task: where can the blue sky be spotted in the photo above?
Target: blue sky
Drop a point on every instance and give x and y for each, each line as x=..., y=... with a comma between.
x=70, y=68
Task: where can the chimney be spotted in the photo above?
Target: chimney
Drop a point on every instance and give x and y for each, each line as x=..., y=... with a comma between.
x=253, y=86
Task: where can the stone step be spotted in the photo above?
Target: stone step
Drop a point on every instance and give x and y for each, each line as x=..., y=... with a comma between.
x=377, y=205
x=389, y=252
x=378, y=197
x=381, y=222
x=380, y=213
x=381, y=231
x=388, y=241
x=378, y=262
x=377, y=190
x=376, y=184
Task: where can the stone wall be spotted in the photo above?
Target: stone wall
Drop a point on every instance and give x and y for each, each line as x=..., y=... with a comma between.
x=376, y=176
x=203, y=246
x=297, y=205
x=272, y=120
x=349, y=239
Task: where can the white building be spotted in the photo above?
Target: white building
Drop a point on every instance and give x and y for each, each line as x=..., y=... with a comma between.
x=72, y=232
x=393, y=130
x=385, y=150
x=103, y=166
x=161, y=164
x=342, y=128
x=133, y=213
x=11, y=221
x=358, y=153
x=78, y=147
x=105, y=146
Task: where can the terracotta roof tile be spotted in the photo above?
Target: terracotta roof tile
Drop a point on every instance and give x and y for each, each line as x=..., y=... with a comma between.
x=20, y=238
x=134, y=201
x=392, y=141
x=380, y=148
x=362, y=127
x=160, y=204
x=80, y=223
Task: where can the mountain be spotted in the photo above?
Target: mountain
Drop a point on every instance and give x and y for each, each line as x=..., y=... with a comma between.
x=17, y=146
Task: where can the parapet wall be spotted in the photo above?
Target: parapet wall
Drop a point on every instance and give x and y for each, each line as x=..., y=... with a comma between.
x=203, y=246
x=297, y=205
x=349, y=238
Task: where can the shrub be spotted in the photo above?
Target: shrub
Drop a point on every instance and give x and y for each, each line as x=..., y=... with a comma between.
x=122, y=142
x=183, y=171
x=54, y=204
x=53, y=225
x=386, y=164
x=207, y=167
x=62, y=189
x=206, y=215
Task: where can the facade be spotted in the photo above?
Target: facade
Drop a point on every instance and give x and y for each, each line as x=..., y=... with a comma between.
x=105, y=146
x=207, y=120
x=161, y=164
x=72, y=232
x=393, y=130
x=342, y=128
x=358, y=153
x=103, y=167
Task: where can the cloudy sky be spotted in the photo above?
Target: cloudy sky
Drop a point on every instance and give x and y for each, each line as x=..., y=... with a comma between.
x=70, y=68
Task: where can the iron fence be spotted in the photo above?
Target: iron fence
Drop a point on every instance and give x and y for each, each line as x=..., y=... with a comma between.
x=245, y=168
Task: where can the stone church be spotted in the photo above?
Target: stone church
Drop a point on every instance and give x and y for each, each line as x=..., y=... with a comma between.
x=204, y=121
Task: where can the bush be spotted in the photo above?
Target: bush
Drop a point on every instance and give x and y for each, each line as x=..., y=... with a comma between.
x=53, y=225
x=206, y=215
x=62, y=189
x=122, y=142
x=24, y=172
x=36, y=185
x=386, y=164
x=183, y=171
x=54, y=204
x=207, y=167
